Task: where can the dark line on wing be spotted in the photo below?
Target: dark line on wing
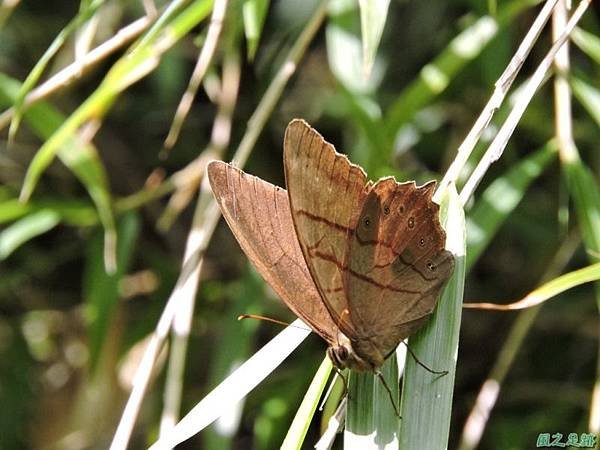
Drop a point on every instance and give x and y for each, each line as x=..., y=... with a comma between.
x=395, y=253
x=333, y=290
x=360, y=276
x=327, y=222
x=362, y=242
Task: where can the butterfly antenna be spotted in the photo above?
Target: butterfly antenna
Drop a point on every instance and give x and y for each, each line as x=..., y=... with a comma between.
x=269, y=319
x=428, y=369
x=389, y=391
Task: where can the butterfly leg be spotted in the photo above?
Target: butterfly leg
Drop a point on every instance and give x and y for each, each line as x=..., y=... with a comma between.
x=389, y=391
x=344, y=380
x=437, y=372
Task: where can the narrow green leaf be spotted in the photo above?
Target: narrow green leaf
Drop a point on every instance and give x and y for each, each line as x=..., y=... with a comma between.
x=427, y=397
x=254, y=13
x=435, y=76
x=371, y=421
x=12, y=209
x=588, y=96
x=500, y=199
x=547, y=291
x=584, y=189
x=233, y=345
x=137, y=63
x=297, y=432
x=373, y=14
x=71, y=212
x=235, y=386
x=101, y=290
x=25, y=229
x=87, y=11
x=345, y=49
x=81, y=159
x=587, y=42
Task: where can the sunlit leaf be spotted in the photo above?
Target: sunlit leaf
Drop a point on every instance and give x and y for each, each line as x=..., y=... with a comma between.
x=25, y=229
x=427, y=397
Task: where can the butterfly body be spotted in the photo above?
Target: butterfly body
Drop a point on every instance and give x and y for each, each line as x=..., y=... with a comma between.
x=361, y=263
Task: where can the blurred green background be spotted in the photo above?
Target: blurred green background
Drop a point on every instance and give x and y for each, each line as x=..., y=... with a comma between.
x=71, y=335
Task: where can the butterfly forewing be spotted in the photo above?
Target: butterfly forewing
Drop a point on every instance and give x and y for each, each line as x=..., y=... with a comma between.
x=396, y=265
x=259, y=215
x=326, y=196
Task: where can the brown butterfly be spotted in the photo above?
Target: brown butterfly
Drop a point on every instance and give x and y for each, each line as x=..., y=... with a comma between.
x=361, y=263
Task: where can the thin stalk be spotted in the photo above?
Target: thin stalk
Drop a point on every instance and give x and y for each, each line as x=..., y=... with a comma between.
x=501, y=88
x=204, y=61
x=488, y=394
x=496, y=148
x=78, y=69
x=182, y=322
x=198, y=239
x=273, y=93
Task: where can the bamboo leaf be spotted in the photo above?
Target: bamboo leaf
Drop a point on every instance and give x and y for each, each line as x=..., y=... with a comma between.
x=436, y=76
x=101, y=289
x=81, y=159
x=236, y=386
x=588, y=96
x=547, y=290
x=587, y=42
x=584, y=189
x=500, y=199
x=137, y=63
x=84, y=14
x=373, y=14
x=297, y=432
x=371, y=421
x=427, y=397
x=25, y=229
x=254, y=13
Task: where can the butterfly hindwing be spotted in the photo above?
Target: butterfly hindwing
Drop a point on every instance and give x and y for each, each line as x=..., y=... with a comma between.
x=397, y=264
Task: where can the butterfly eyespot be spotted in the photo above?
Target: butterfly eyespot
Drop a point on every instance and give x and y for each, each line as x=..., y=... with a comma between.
x=430, y=266
x=422, y=242
x=411, y=222
x=367, y=222
x=386, y=210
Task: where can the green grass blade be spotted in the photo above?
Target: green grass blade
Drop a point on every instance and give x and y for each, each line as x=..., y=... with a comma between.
x=546, y=291
x=371, y=422
x=81, y=159
x=588, y=42
x=101, y=289
x=500, y=199
x=436, y=76
x=344, y=48
x=584, y=189
x=25, y=229
x=236, y=386
x=71, y=212
x=373, y=14
x=84, y=14
x=588, y=96
x=585, y=192
x=254, y=14
x=426, y=397
x=137, y=63
x=565, y=282
x=297, y=432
